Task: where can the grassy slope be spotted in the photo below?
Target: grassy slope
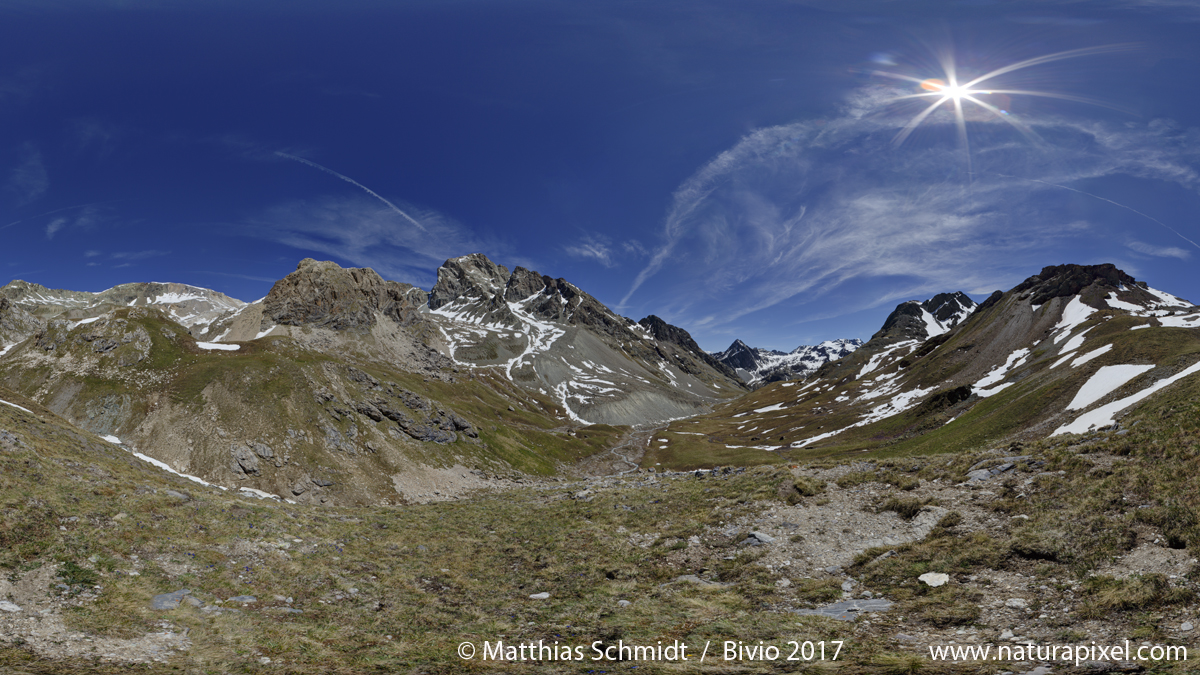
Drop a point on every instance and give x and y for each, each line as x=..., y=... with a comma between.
x=1001, y=418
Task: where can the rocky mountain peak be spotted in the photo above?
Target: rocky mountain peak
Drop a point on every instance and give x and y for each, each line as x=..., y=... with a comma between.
x=915, y=320
x=471, y=275
x=523, y=283
x=949, y=308
x=741, y=357
x=322, y=293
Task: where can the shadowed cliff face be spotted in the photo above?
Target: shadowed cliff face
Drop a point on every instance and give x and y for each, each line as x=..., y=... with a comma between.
x=324, y=294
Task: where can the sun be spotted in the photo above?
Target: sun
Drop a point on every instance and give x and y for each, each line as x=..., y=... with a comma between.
x=947, y=90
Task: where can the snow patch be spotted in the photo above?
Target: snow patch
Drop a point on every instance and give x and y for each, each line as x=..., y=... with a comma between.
x=1113, y=302
x=1073, y=314
x=998, y=373
x=162, y=465
x=770, y=408
x=1192, y=321
x=1103, y=416
x=259, y=493
x=984, y=393
x=1106, y=380
x=877, y=359
x=1074, y=343
x=1091, y=355
x=932, y=326
x=1167, y=298
x=16, y=406
x=221, y=347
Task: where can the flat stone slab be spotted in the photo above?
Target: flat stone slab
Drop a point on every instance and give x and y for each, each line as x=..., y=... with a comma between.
x=934, y=579
x=243, y=599
x=168, y=600
x=847, y=610
x=6, y=606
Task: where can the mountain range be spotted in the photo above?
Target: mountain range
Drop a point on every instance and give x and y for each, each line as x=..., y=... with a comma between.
x=338, y=384
x=355, y=473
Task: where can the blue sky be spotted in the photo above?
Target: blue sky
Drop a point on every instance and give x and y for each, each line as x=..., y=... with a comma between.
x=729, y=166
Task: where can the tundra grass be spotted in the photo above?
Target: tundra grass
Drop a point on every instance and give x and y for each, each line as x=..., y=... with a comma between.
x=397, y=589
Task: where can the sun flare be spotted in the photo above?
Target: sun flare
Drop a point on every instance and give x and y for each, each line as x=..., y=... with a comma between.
x=948, y=89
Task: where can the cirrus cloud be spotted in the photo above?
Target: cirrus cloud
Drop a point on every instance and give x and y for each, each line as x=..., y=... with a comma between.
x=814, y=209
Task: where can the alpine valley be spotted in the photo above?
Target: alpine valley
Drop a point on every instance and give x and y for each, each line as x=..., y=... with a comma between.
x=355, y=475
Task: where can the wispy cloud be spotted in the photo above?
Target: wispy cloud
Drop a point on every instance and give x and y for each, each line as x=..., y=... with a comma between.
x=1160, y=251
x=86, y=217
x=28, y=180
x=367, y=233
x=54, y=226
x=138, y=255
x=812, y=208
x=592, y=247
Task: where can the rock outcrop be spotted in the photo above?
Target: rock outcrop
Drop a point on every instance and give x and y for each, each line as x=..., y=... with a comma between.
x=327, y=295
x=1061, y=281
x=16, y=324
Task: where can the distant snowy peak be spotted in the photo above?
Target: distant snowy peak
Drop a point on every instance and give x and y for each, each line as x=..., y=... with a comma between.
x=759, y=366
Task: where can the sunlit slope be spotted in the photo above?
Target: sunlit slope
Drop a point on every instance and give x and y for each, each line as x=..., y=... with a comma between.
x=1039, y=359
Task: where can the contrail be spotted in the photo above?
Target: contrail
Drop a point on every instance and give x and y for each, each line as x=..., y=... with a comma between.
x=65, y=208
x=1105, y=199
x=355, y=183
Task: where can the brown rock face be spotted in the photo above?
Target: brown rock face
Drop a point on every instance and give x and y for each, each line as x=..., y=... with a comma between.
x=325, y=294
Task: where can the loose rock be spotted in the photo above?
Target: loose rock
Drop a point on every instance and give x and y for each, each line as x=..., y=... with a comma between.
x=168, y=600
x=934, y=579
